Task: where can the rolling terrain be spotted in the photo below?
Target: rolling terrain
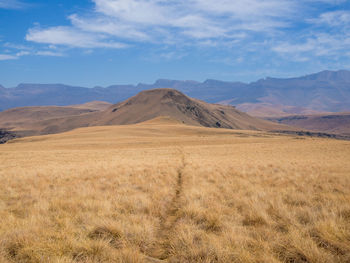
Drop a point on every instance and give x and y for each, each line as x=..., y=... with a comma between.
x=21, y=117
x=163, y=191
x=269, y=110
x=19, y=122
x=17, y=117
x=337, y=123
x=93, y=105
x=142, y=107
x=326, y=91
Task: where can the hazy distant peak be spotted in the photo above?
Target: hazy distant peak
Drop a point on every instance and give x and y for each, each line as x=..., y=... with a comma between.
x=216, y=81
x=24, y=85
x=328, y=75
x=212, y=81
x=171, y=83
x=126, y=86
x=165, y=82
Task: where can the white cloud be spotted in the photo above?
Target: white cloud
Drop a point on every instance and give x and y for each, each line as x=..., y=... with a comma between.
x=108, y=26
x=326, y=36
x=330, y=2
x=69, y=36
x=12, y=54
x=49, y=53
x=12, y=4
x=319, y=45
x=166, y=22
x=7, y=57
x=22, y=53
x=16, y=46
x=334, y=18
x=247, y=10
x=172, y=55
x=195, y=17
x=294, y=30
x=287, y=47
x=136, y=11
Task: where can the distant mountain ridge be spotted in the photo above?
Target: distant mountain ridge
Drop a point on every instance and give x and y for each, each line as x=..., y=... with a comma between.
x=326, y=91
x=328, y=75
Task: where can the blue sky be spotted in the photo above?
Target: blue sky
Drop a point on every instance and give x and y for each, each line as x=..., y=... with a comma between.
x=105, y=42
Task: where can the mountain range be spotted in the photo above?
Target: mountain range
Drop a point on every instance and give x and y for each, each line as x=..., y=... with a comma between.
x=326, y=91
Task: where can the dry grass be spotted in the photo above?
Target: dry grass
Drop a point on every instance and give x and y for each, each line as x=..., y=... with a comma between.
x=167, y=192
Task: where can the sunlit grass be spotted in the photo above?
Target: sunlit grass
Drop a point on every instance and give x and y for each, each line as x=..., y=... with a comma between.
x=167, y=192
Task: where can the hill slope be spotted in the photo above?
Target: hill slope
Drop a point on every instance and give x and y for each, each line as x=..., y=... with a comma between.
x=25, y=115
x=168, y=102
x=22, y=117
x=150, y=104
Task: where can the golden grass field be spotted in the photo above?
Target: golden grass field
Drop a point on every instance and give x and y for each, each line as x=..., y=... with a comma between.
x=165, y=192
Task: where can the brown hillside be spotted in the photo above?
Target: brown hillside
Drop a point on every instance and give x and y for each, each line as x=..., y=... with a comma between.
x=33, y=120
x=169, y=102
x=150, y=104
x=23, y=117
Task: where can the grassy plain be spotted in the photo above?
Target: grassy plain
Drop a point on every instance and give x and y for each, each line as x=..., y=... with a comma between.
x=165, y=192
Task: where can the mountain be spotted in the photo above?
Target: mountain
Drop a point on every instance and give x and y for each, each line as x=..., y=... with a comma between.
x=169, y=102
x=326, y=91
x=327, y=75
x=148, y=105
x=338, y=123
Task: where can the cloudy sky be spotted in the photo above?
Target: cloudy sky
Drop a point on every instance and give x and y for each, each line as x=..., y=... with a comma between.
x=104, y=42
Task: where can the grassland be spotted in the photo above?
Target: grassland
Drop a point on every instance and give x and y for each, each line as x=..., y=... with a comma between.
x=165, y=192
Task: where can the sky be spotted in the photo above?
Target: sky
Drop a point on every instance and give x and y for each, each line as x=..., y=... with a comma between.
x=104, y=42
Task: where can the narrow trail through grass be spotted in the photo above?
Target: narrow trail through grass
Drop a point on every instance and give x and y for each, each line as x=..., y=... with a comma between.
x=174, y=193
x=160, y=251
